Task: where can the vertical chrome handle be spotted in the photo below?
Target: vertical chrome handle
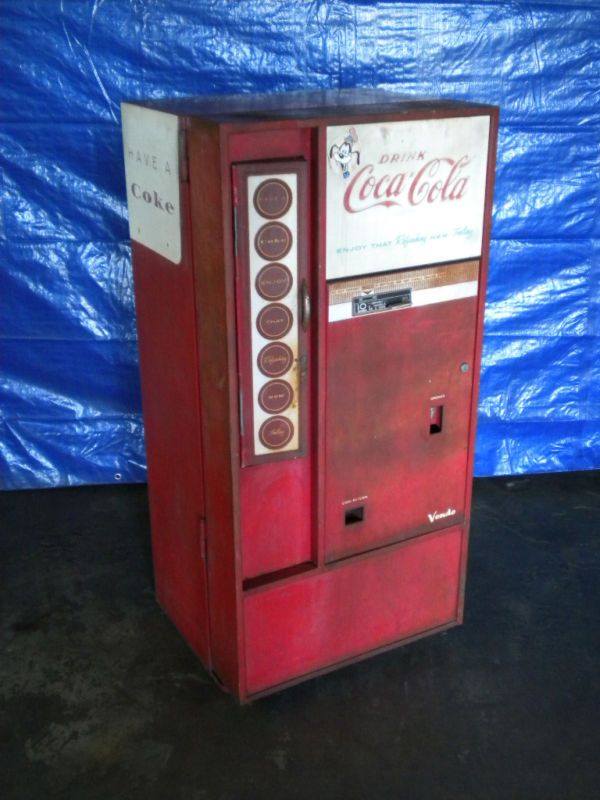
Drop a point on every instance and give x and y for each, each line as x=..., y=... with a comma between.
x=305, y=305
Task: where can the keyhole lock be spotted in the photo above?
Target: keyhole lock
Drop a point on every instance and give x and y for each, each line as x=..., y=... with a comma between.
x=464, y=367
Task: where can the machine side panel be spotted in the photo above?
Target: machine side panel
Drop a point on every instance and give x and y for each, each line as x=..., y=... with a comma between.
x=483, y=276
x=351, y=608
x=171, y=403
x=216, y=337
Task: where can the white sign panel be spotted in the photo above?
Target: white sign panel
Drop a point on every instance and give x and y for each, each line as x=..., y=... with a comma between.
x=401, y=194
x=257, y=304
x=151, y=148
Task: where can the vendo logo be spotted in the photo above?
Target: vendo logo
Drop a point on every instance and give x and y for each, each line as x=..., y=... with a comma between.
x=434, y=516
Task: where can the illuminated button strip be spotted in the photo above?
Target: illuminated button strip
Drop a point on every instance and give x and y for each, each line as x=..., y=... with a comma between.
x=273, y=264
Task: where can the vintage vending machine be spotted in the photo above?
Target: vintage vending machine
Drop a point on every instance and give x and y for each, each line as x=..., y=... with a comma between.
x=310, y=275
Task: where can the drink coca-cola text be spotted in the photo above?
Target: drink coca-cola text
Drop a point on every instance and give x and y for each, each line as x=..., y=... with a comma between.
x=438, y=180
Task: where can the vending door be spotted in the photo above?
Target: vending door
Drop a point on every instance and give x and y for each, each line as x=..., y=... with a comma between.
x=273, y=335
x=405, y=203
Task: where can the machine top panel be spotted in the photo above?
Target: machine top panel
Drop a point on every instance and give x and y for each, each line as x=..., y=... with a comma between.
x=327, y=103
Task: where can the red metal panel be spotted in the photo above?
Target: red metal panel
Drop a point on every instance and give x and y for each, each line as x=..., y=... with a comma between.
x=353, y=607
x=275, y=503
x=282, y=140
x=483, y=276
x=169, y=373
x=276, y=499
x=213, y=268
x=382, y=371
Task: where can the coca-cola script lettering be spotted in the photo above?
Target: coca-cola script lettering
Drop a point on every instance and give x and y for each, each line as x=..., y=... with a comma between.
x=439, y=179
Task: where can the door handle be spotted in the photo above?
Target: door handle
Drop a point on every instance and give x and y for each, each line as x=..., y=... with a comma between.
x=305, y=305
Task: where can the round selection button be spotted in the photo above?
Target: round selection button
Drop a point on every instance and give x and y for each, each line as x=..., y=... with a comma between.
x=275, y=359
x=274, y=281
x=274, y=321
x=273, y=241
x=273, y=198
x=276, y=432
x=275, y=396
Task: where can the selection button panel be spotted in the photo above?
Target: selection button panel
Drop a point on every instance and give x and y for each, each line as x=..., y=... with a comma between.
x=274, y=281
x=275, y=359
x=272, y=198
x=273, y=241
x=274, y=321
x=275, y=396
x=276, y=432
x=273, y=264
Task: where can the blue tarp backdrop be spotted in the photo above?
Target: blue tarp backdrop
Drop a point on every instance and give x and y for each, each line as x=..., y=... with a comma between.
x=70, y=398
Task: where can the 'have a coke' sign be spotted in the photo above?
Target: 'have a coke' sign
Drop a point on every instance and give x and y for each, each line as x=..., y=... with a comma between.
x=151, y=150
x=400, y=194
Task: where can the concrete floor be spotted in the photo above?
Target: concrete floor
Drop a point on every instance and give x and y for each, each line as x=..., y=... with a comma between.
x=100, y=698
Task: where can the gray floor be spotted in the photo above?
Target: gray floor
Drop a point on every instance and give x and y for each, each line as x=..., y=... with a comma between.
x=100, y=698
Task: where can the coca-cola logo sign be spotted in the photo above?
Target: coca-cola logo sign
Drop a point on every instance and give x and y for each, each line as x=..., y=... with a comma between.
x=404, y=193
x=438, y=180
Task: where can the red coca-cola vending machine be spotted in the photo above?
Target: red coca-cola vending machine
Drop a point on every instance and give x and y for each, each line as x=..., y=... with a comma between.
x=310, y=275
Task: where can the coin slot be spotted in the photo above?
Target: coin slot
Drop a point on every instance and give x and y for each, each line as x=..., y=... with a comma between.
x=436, y=416
x=369, y=301
x=401, y=298
x=354, y=515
